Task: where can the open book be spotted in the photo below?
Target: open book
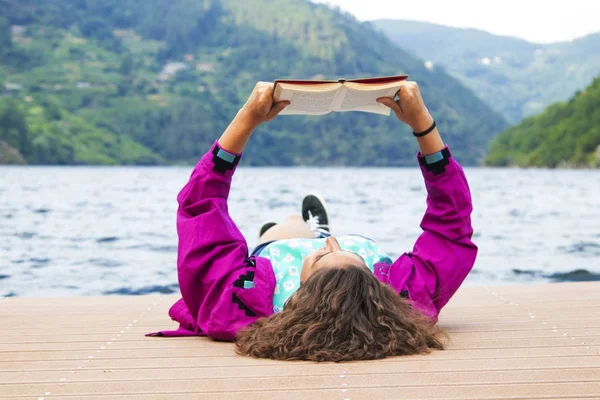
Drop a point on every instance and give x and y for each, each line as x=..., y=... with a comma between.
x=322, y=97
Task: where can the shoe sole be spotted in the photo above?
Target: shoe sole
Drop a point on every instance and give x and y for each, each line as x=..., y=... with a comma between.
x=323, y=204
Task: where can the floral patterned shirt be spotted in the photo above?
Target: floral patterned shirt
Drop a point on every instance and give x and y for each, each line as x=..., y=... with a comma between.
x=287, y=256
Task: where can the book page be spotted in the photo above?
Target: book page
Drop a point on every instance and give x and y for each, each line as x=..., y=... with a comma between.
x=365, y=100
x=308, y=103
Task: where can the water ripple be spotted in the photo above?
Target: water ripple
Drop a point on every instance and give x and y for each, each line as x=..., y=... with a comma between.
x=108, y=239
x=168, y=289
x=578, y=275
x=105, y=262
x=583, y=248
x=25, y=235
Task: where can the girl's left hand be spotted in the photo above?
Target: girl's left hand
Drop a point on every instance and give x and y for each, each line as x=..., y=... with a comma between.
x=260, y=107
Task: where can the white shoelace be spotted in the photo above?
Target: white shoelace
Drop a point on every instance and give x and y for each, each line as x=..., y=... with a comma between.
x=314, y=225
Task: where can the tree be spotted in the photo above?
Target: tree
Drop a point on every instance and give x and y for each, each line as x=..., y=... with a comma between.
x=13, y=128
x=126, y=65
x=5, y=35
x=186, y=22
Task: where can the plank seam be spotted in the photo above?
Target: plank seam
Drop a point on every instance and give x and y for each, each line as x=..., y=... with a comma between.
x=345, y=375
x=470, y=385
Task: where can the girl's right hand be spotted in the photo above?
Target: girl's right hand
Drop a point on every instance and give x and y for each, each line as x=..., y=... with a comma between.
x=410, y=108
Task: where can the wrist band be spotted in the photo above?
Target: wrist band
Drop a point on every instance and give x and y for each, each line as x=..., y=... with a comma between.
x=223, y=160
x=421, y=134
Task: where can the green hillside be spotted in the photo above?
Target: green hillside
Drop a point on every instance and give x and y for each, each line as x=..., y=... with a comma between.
x=566, y=134
x=155, y=81
x=517, y=78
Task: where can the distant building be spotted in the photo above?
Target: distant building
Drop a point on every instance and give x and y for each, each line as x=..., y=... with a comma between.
x=17, y=30
x=205, y=67
x=170, y=70
x=13, y=86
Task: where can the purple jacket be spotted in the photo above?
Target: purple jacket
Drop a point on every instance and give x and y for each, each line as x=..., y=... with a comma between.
x=213, y=259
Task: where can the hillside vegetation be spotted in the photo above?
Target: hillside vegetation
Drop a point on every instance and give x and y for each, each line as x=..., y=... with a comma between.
x=515, y=77
x=566, y=134
x=155, y=81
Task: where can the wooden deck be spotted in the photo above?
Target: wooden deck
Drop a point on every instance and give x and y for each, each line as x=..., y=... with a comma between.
x=507, y=342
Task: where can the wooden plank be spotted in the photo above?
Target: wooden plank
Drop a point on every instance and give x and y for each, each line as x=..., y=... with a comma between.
x=243, y=365
x=277, y=395
x=192, y=351
x=537, y=356
x=313, y=385
x=134, y=336
x=397, y=374
x=546, y=338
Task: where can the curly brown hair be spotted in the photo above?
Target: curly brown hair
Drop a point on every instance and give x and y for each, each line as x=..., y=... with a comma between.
x=341, y=314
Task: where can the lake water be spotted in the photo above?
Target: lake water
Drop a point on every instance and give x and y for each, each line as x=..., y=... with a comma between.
x=111, y=230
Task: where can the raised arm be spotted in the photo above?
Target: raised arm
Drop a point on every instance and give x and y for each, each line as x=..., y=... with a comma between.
x=222, y=288
x=443, y=254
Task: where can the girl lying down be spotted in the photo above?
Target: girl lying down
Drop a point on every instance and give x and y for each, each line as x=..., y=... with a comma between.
x=302, y=293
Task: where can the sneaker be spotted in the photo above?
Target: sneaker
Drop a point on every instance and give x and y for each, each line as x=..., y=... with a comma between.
x=265, y=227
x=314, y=213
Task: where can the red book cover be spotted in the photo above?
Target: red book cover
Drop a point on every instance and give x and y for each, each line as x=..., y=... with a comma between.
x=375, y=80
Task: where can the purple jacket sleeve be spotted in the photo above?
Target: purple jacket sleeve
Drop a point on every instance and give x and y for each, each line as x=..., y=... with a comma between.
x=444, y=254
x=222, y=288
